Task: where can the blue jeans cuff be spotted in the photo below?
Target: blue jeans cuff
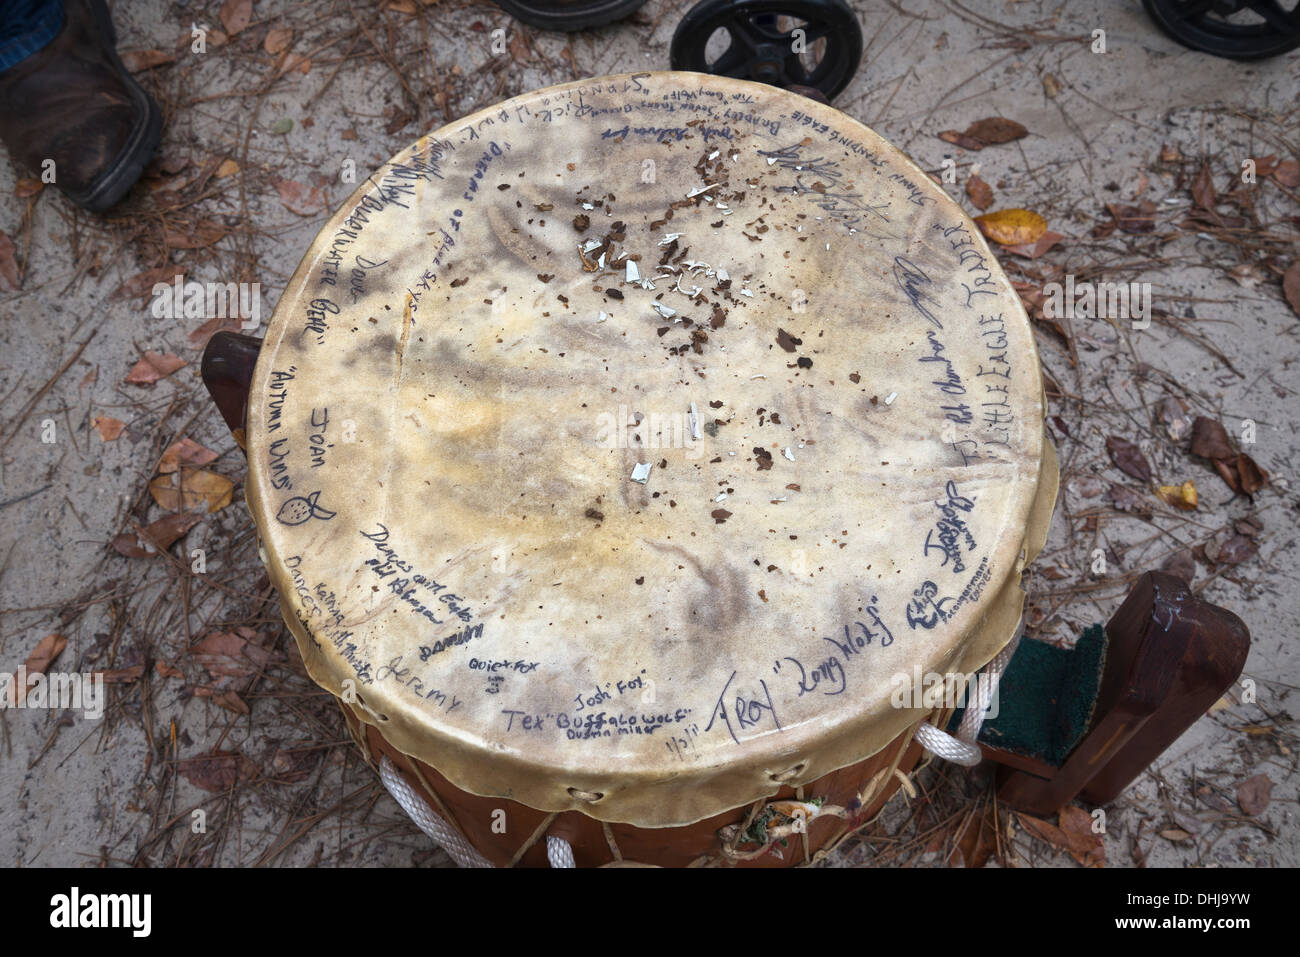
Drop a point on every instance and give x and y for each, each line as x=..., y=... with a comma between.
x=42, y=26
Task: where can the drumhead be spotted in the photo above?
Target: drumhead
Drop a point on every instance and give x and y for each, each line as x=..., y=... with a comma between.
x=623, y=446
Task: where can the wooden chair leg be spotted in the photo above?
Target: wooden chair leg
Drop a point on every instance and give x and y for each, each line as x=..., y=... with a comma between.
x=1169, y=657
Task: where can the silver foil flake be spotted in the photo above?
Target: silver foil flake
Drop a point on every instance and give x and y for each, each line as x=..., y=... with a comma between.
x=641, y=472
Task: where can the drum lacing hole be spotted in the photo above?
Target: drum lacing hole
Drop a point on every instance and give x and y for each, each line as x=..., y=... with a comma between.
x=782, y=776
x=591, y=797
x=361, y=703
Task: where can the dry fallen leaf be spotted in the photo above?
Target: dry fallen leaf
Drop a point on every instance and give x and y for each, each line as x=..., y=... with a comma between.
x=300, y=199
x=1175, y=834
x=1235, y=550
x=980, y=193
x=196, y=236
x=1210, y=439
x=9, y=281
x=995, y=130
x=1254, y=793
x=961, y=139
x=138, y=60
x=978, y=841
x=236, y=15
x=1127, y=500
x=121, y=676
x=1291, y=286
x=200, y=336
x=1086, y=845
x=185, y=452
x=191, y=488
x=1134, y=219
x=156, y=536
x=1203, y=189
x=141, y=284
x=216, y=772
x=277, y=40
x=227, y=699
x=1051, y=86
x=1075, y=835
x=519, y=48
x=1012, y=227
x=108, y=427
x=154, y=367
x=1034, y=250
x=1250, y=476
x=41, y=657
x=1044, y=831
x=228, y=167
x=227, y=654
x=1288, y=173
x=1180, y=496
x=1128, y=458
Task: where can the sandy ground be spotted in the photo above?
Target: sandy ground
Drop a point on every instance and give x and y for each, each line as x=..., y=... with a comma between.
x=1135, y=123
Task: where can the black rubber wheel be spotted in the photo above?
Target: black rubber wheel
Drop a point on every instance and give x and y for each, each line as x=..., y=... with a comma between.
x=1236, y=29
x=569, y=15
x=761, y=42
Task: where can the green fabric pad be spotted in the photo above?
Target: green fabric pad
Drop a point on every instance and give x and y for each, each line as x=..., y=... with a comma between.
x=1046, y=698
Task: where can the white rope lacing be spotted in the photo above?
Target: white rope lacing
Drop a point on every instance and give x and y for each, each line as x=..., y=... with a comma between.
x=964, y=748
x=439, y=831
x=558, y=851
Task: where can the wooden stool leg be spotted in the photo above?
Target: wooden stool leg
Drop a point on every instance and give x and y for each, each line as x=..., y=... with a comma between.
x=1169, y=657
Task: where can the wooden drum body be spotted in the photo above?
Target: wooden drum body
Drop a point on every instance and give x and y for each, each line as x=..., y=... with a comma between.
x=621, y=451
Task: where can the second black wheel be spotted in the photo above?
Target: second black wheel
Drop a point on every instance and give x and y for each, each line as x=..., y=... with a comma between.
x=809, y=43
x=1237, y=29
x=569, y=15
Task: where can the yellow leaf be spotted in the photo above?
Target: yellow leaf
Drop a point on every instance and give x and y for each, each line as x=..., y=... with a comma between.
x=228, y=167
x=1012, y=227
x=191, y=488
x=1180, y=496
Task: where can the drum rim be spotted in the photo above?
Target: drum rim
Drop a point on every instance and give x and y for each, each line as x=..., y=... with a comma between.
x=701, y=790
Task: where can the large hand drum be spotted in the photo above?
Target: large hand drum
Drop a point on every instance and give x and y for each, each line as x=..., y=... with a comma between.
x=626, y=453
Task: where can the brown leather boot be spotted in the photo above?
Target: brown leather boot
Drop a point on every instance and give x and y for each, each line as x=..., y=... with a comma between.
x=74, y=102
